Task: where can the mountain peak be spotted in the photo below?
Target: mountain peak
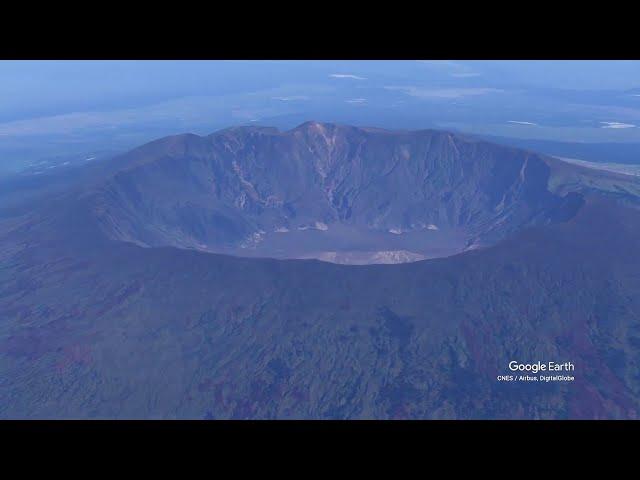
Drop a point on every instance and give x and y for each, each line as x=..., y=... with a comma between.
x=247, y=129
x=313, y=126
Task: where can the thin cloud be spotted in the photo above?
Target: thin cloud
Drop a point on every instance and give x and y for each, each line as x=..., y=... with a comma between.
x=346, y=75
x=291, y=98
x=617, y=125
x=521, y=123
x=357, y=101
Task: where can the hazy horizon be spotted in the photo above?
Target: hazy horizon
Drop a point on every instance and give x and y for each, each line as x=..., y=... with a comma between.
x=55, y=109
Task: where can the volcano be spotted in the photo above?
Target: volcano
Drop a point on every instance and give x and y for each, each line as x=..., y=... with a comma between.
x=215, y=277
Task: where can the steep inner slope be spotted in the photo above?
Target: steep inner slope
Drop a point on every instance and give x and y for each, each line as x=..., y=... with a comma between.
x=335, y=193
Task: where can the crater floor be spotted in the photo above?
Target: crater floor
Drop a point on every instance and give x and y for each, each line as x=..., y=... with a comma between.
x=349, y=245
